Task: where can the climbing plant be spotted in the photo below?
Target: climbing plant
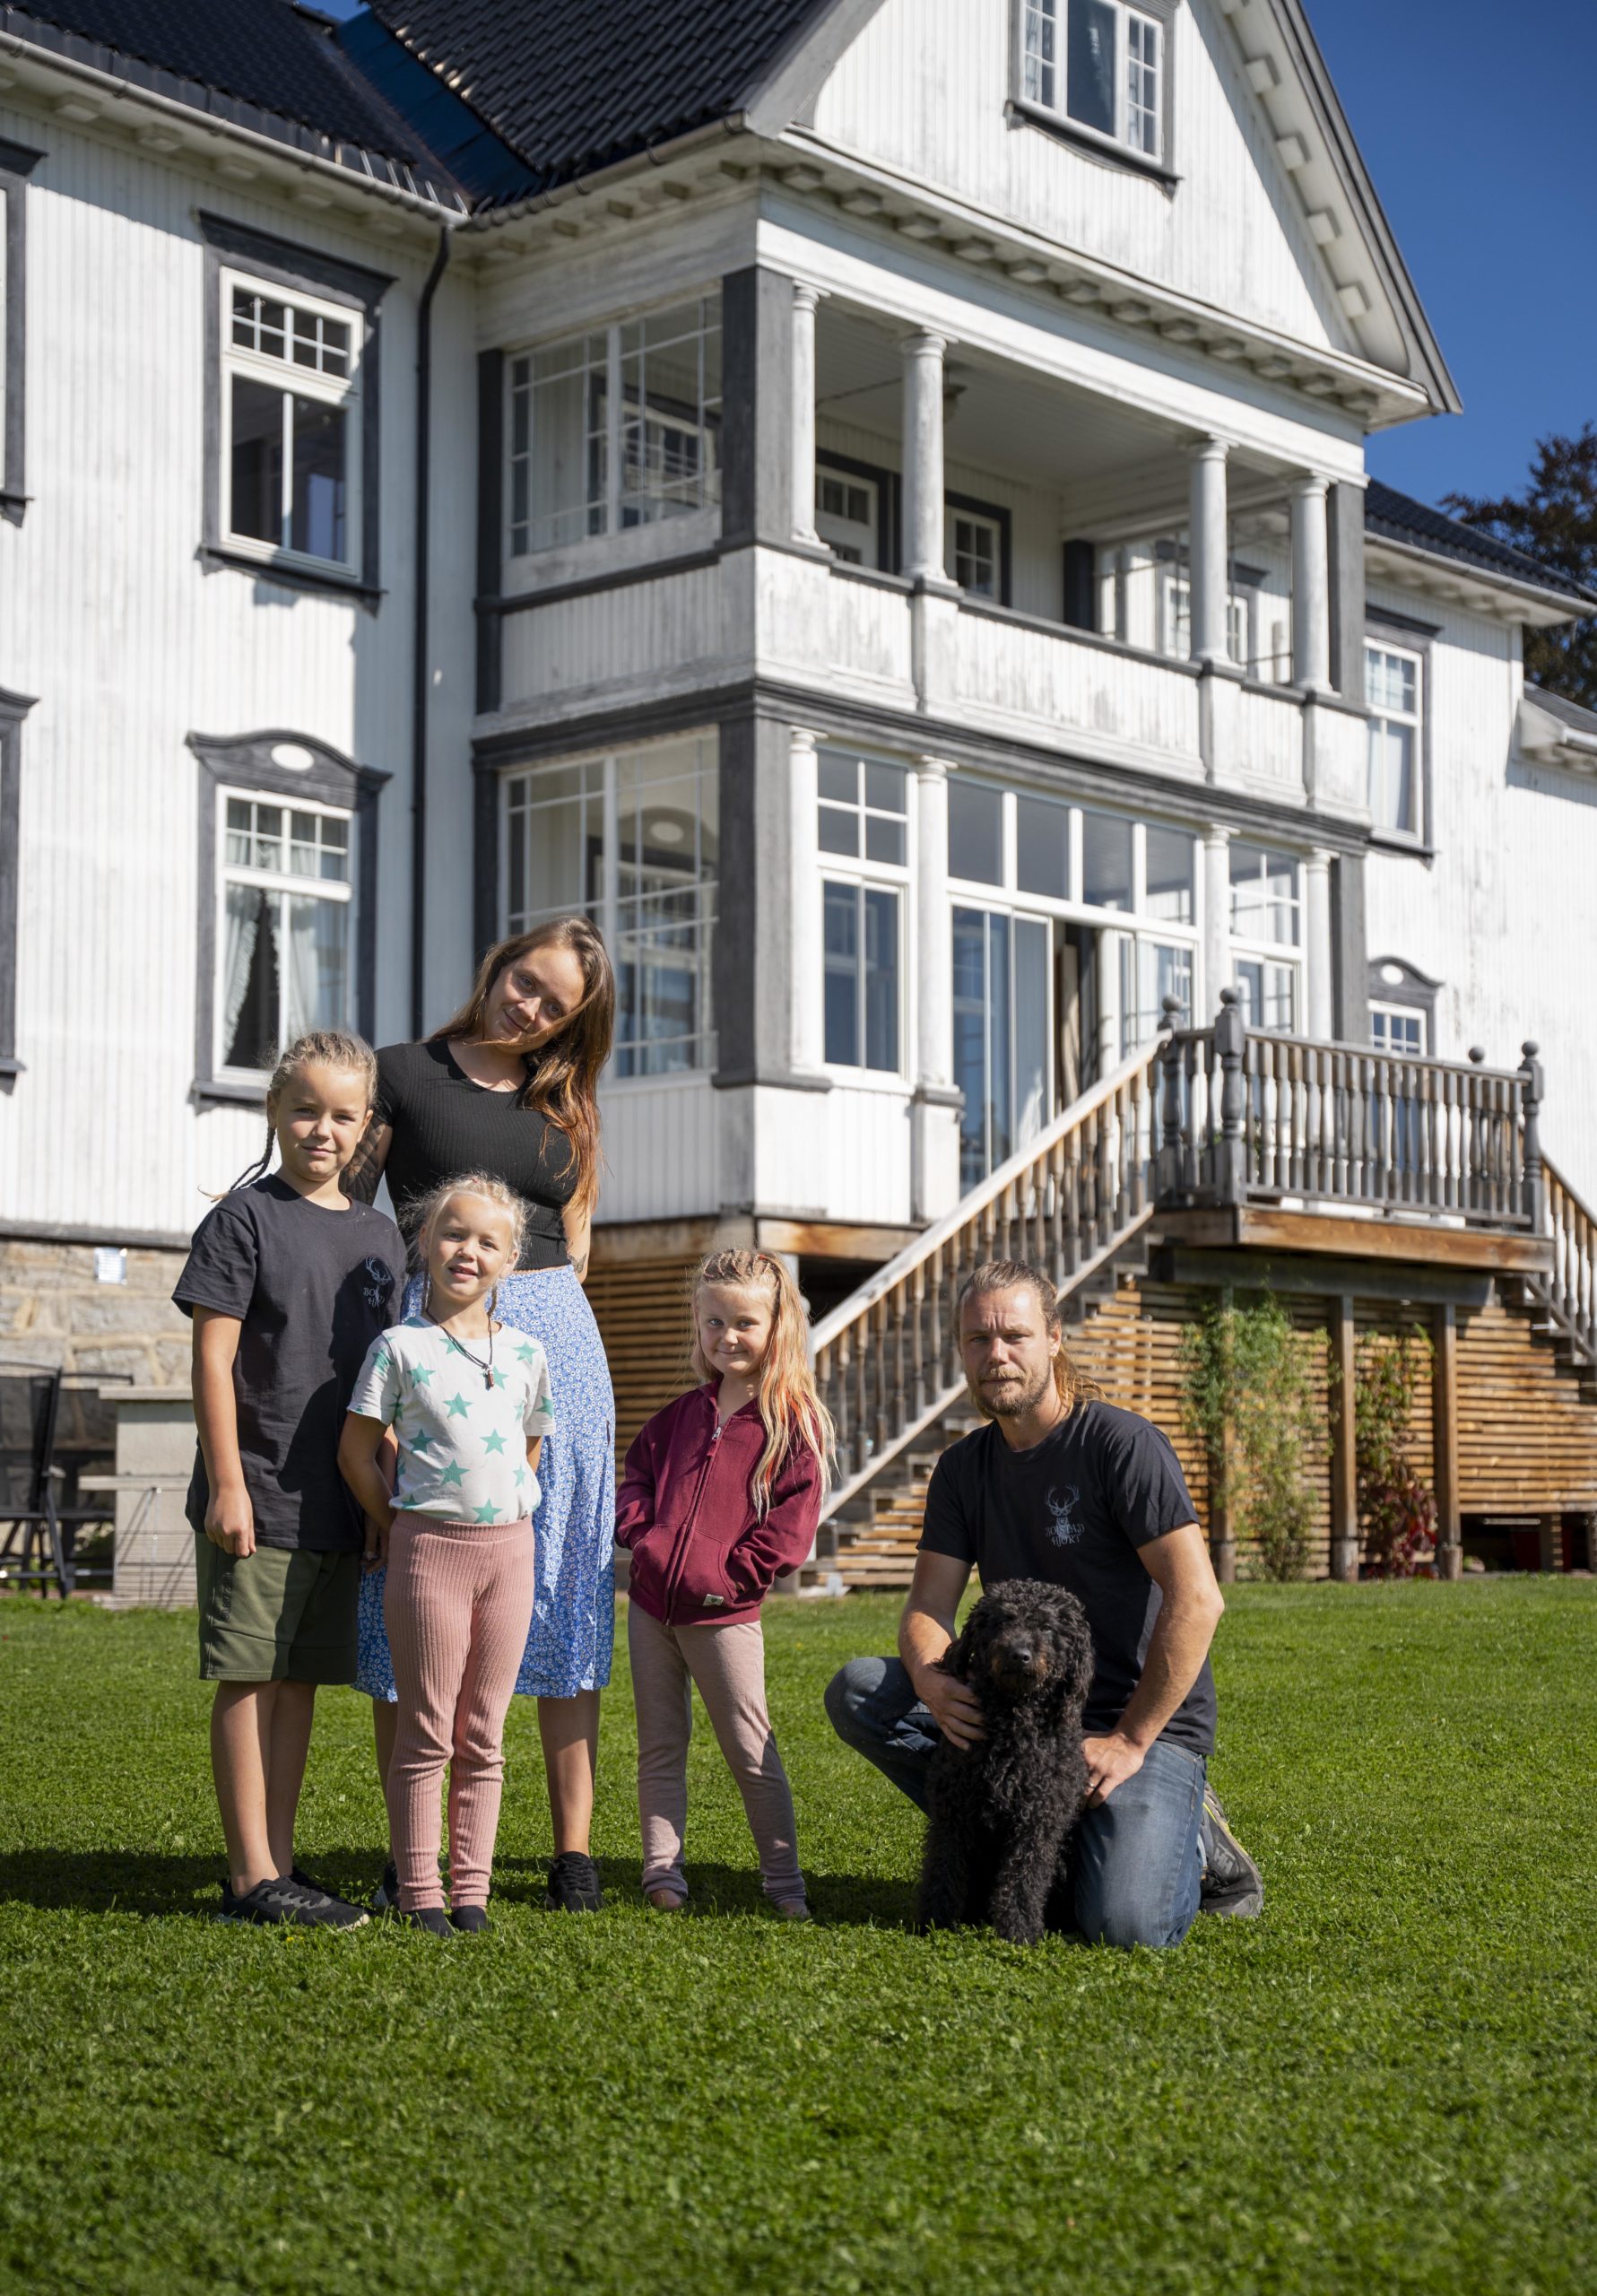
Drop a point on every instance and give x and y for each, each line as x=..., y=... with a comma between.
x=1246, y=1398
x=1398, y=1511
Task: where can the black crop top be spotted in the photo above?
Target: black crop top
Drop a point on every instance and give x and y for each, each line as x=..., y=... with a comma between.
x=443, y=1124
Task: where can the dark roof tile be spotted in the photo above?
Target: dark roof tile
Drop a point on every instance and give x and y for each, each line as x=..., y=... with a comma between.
x=1398, y=517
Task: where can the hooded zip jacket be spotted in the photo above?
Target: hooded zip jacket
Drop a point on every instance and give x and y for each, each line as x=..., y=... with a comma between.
x=701, y=1554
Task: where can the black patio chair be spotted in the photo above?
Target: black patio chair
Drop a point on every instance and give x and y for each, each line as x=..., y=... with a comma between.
x=51, y=1428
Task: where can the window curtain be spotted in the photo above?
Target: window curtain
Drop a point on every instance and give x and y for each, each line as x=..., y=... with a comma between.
x=245, y=908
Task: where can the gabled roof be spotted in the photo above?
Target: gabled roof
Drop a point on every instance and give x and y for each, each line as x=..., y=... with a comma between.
x=266, y=65
x=576, y=85
x=1415, y=525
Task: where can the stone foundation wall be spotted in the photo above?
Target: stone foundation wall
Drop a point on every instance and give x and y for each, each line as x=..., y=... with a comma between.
x=54, y=1311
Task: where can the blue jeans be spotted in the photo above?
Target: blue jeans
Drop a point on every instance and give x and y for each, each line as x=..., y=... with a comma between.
x=1135, y=1863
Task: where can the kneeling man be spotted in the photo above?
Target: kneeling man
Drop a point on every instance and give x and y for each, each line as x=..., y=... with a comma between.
x=1062, y=1486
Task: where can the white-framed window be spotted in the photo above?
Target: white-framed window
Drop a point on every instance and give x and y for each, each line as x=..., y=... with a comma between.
x=291, y=423
x=1267, y=929
x=1100, y=64
x=1178, y=623
x=1001, y=1016
x=631, y=840
x=1394, y=691
x=285, y=938
x=973, y=553
x=1399, y=1030
x=615, y=428
x=847, y=515
x=863, y=833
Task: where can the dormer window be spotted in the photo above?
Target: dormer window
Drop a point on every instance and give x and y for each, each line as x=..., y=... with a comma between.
x=1101, y=65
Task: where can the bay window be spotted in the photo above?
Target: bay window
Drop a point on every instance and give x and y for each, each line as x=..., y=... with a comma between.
x=616, y=427
x=1100, y=64
x=629, y=839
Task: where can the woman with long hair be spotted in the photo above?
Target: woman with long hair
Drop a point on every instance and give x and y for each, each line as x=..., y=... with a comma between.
x=509, y=1086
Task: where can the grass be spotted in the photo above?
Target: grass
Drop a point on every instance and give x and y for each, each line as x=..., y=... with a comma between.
x=1385, y=2083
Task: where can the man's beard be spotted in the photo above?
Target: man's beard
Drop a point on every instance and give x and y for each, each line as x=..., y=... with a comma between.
x=1014, y=1398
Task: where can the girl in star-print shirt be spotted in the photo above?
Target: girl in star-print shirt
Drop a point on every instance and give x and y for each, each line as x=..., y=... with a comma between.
x=469, y=1403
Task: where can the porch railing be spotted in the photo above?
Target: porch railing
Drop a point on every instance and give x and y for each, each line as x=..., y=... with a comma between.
x=1246, y=1116
x=887, y=1361
x=1570, y=1290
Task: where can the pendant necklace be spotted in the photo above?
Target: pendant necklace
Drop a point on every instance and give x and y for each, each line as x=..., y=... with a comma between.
x=485, y=1368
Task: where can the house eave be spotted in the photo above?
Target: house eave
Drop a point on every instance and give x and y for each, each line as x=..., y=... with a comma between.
x=301, y=157
x=1436, y=575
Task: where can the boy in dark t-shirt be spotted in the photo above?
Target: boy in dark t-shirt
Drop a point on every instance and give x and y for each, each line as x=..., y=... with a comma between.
x=1061, y=1486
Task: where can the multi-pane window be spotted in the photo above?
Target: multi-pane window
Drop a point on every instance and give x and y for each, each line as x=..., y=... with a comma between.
x=1178, y=624
x=1149, y=972
x=291, y=414
x=1266, y=911
x=1397, y=1030
x=629, y=841
x=974, y=833
x=973, y=554
x=617, y=428
x=285, y=939
x=863, y=822
x=1101, y=64
x=846, y=516
x=1001, y=1010
x=1394, y=692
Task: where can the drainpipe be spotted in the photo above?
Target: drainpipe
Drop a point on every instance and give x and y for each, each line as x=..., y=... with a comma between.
x=419, y=648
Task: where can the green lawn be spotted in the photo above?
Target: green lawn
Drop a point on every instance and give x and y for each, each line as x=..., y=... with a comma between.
x=1388, y=2083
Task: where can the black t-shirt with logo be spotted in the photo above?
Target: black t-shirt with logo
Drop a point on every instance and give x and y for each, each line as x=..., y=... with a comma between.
x=312, y=1288
x=1075, y=1509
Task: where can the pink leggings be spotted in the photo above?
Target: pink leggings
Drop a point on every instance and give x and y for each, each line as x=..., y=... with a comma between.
x=728, y=1664
x=457, y=1605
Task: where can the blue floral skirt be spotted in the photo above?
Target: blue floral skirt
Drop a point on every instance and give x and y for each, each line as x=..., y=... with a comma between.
x=568, y=1647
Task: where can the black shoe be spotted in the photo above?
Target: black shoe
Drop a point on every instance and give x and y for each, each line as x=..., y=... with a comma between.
x=430, y=1917
x=1232, y=1883
x=471, y=1920
x=285, y=1904
x=385, y=1898
x=574, y=1884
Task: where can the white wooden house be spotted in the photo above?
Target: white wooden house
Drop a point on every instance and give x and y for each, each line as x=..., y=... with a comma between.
x=866, y=496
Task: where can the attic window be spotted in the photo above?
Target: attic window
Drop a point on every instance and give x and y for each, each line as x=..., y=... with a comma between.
x=1101, y=65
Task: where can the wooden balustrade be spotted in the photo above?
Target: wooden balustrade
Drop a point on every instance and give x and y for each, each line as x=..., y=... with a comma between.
x=1570, y=1290
x=887, y=1361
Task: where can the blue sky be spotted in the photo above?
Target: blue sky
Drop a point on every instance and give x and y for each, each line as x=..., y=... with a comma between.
x=1479, y=137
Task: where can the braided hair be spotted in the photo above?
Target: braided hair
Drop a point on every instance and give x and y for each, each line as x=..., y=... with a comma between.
x=319, y=1047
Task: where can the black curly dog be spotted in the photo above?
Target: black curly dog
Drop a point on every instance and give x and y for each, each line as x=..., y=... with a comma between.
x=1003, y=1810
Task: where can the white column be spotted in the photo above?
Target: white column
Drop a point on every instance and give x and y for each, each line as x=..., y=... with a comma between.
x=1208, y=552
x=802, y=414
x=1317, y=924
x=1216, y=922
x=933, y=929
x=923, y=456
x=805, y=989
x=1311, y=584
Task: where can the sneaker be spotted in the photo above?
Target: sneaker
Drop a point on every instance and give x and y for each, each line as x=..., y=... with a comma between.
x=1232, y=1883
x=432, y=1919
x=284, y=1903
x=471, y=1920
x=574, y=1884
x=385, y=1898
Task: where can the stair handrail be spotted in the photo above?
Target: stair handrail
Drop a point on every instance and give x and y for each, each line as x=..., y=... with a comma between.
x=1570, y=1289
x=886, y=1359
x=1002, y=1176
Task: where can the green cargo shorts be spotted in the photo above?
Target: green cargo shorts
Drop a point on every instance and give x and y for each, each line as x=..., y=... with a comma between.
x=278, y=1615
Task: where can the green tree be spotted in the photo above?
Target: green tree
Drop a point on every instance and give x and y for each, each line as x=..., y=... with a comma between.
x=1555, y=520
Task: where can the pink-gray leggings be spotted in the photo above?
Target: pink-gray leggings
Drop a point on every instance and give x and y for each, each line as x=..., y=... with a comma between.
x=727, y=1663
x=457, y=1605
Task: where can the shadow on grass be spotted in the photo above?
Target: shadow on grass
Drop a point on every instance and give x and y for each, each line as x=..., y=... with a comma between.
x=149, y=1881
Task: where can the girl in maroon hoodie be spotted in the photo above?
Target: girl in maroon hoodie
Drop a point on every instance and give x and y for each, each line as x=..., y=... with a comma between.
x=722, y=1491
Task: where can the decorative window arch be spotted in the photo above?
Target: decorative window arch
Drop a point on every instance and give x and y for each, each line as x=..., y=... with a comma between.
x=287, y=936
x=1402, y=1008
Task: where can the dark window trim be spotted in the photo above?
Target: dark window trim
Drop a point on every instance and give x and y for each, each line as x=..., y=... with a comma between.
x=246, y=760
x=17, y=164
x=13, y=709
x=889, y=487
x=286, y=263
x=1409, y=636
x=1005, y=524
x=1160, y=167
x=1415, y=993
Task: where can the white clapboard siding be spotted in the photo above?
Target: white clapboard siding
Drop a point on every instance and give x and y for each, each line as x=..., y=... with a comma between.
x=922, y=90
x=1044, y=683
x=660, y=1149
x=842, y=1155
x=1266, y=744
x=646, y=638
x=821, y=626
